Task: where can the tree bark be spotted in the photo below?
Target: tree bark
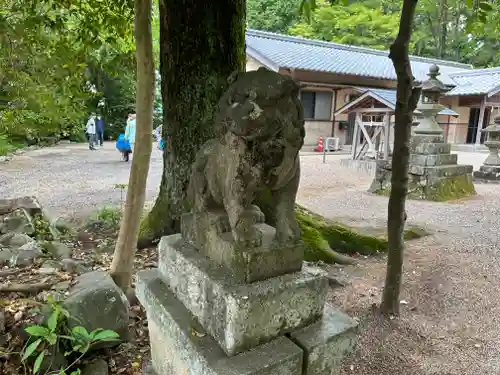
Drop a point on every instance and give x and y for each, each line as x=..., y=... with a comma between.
x=407, y=99
x=123, y=258
x=443, y=20
x=200, y=46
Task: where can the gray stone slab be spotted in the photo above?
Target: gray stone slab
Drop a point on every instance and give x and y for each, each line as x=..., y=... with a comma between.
x=326, y=342
x=180, y=346
x=440, y=171
x=433, y=159
x=431, y=148
x=240, y=316
x=250, y=264
x=487, y=174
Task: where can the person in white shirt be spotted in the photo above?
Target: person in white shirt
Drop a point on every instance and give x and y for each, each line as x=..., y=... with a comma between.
x=91, y=131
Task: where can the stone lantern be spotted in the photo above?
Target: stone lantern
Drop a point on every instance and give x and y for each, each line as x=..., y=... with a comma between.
x=490, y=170
x=432, y=89
x=493, y=142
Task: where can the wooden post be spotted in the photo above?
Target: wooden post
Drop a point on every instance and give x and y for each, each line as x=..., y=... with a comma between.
x=387, y=135
x=355, y=139
x=480, y=121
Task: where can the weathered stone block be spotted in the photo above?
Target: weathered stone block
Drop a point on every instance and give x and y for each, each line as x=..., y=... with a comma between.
x=250, y=264
x=440, y=171
x=240, y=316
x=487, y=174
x=431, y=148
x=180, y=346
x=433, y=159
x=326, y=342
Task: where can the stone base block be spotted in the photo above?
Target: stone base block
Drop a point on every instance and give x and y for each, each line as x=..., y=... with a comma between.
x=240, y=316
x=435, y=186
x=487, y=174
x=431, y=148
x=180, y=346
x=250, y=264
x=433, y=159
x=326, y=342
x=439, y=171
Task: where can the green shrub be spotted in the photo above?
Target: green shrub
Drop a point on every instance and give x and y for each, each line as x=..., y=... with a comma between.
x=55, y=336
x=109, y=215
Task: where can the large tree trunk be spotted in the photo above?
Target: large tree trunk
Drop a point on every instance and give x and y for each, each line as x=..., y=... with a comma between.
x=407, y=98
x=123, y=259
x=201, y=44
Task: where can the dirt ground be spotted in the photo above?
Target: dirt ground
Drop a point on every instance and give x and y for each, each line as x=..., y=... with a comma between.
x=451, y=297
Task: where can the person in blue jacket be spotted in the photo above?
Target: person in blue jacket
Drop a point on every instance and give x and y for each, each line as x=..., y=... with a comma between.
x=130, y=135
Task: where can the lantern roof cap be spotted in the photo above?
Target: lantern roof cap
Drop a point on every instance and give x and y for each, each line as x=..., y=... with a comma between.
x=433, y=84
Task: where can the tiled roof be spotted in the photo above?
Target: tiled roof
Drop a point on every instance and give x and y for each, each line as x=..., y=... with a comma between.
x=476, y=82
x=389, y=97
x=280, y=51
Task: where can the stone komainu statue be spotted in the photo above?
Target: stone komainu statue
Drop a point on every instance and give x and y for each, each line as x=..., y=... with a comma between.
x=260, y=130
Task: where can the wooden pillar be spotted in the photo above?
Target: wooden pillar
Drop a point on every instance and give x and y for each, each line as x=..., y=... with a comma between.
x=355, y=138
x=480, y=121
x=387, y=135
x=334, y=109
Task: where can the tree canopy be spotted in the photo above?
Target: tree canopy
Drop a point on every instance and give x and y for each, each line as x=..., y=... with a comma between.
x=458, y=30
x=58, y=60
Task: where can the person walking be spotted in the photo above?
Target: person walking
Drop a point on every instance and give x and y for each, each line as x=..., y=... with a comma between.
x=91, y=131
x=100, y=131
x=130, y=135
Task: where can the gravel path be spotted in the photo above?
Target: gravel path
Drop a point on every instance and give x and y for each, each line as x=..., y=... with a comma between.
x=71, y=180
x=451, y=322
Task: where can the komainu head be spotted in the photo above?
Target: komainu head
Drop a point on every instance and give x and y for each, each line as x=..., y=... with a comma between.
x=262, y=105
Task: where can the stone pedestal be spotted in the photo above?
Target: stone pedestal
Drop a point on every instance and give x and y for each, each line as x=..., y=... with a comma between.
x=433, y=171
x=490, y=170
x=263, y=314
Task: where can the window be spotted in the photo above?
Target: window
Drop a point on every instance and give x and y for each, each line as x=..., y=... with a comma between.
x=317, y=105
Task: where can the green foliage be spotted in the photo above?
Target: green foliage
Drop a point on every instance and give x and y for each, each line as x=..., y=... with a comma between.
x=54, y=335
x=57, y=60
x=5, y=146
x=111, y=216
x=42, y=228
x=272, y=15
x=355, y=24
x=459, y=30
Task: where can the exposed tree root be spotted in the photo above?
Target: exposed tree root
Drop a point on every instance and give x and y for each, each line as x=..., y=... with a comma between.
x=24, y=288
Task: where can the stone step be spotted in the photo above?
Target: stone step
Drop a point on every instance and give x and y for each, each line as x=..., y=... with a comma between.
x=431, y=148
x=440, y=171
x=240, y=316
x=433, y=159
x=249, y=264
x=327, y=342
x=179, y=345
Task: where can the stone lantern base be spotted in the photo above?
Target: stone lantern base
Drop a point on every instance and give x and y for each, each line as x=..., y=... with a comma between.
x=488, y=174
x=433, y=172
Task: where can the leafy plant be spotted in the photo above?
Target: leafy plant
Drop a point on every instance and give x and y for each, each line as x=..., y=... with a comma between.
x=6, y=146
x=109, y=215
x=55, y=335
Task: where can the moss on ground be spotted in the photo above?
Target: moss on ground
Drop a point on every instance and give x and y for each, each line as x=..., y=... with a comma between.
x=326, y=240
x=452, y=188
x=442, y=190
